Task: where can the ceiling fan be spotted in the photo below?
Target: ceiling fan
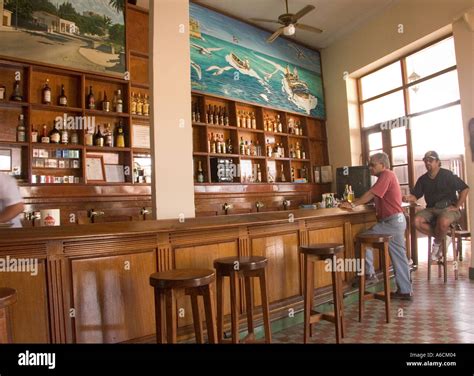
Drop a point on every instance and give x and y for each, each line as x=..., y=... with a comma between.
x=289, y=22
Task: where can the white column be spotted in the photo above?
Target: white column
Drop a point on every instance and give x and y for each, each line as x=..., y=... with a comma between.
x=170, y=77
x=463, y=32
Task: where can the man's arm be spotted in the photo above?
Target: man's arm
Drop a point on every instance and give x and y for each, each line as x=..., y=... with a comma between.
x=364, y=199
x=409, y=198
x=462, y=198
x=11, y=212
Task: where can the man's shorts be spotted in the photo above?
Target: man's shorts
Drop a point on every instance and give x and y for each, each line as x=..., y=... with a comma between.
x=431, y=215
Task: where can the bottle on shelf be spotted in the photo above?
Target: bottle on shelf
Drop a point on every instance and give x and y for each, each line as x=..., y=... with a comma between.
x=213, y=143
x=118, y=102
x=219, y=145
x=62, y=100
x=193, y=112
x=146, y=106
x=242, y=146
x=239, y=120
x=74, y=137
x=279, y=125
x=55, y=135
x=3, y=92
x=139, y=105
x=200, y=174
x=265, y=122
x=208, y=115
x=34, y=135
x=282, y=173
x=45, y=138
x=120, y=137
x=64, y=136
x=90, y=101
x=198, y=113
x=230, y=148
x=269, y=149
x=20, y=129
x=105, y=103
x=133, y=104
x=109, y=139
x=258, y=148
x=46, y=93
x=298, y=151
x=259, y=174
x=16, y=94
x=253, y=121
x=89, y=139
x=216, y=116
x=226, y=117
x=221, y=116
x=249, y=120
x=98, y=138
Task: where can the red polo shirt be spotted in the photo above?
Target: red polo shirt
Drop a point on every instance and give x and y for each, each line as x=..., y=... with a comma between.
x=388, y=196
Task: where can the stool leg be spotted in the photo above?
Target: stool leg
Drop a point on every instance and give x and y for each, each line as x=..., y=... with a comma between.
x=159, y=317
x=308, y=292
x=196, y=318
x=249, y=303
x=208, y=297
x=386, y=280
x=336, y=300
x=445, y=260
x=5, y=327
x=265, y=305
x=460, y=247
x=455, y=254
x=220, y=305
x=429, y=258
x=234, y=306
x=341, y=305
x=361, y=282
x=171, y=320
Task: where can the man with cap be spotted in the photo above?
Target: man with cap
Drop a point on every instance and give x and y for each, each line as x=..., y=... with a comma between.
x=445, y=193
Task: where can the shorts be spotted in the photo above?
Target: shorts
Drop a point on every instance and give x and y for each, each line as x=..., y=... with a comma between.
x=431, y=215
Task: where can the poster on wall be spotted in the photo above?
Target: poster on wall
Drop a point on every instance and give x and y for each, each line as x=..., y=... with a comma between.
x=80, y=34
x=232, y=59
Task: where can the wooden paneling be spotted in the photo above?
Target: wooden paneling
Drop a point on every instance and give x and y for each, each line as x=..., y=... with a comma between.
x=139, y=70
x=202, y=257
x=137, y=31
x=30, y=313
x=283, y=266
x=112, y=298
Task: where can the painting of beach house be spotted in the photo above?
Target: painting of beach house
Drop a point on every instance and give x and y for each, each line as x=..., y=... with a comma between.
x=82, y=34
x=232, y=58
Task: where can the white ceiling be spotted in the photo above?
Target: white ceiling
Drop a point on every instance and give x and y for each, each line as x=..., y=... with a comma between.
x=335, y=17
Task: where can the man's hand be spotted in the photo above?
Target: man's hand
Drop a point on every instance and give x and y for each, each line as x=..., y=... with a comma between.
x=409, y=198
x=452, y=208
x=345, y=205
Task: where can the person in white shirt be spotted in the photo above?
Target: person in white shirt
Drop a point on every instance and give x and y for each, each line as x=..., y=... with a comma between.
x=11, y=203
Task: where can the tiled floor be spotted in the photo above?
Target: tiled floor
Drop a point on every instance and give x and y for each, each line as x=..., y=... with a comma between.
x=439, y=313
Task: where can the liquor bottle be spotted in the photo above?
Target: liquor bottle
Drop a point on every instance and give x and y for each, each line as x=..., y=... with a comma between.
x=209, y=139
x=20, y=129
x=133, y=104
x=198, y=113
x=34, y=135
x=221, y=116
x=259, y=174
x=3, y=92
x=226, y=117
x=90, y=99
x=298, y=151
x=269, y=149
x=253, y=149
x=253, y=121
x=247, y=148
x=249, y=120
x=213, y=144
x=119, y=102
x=98, y=138
x=16, y=95
x=216, y=116
x=279, y=125
x=105, y=103
x=55, y=135
x=238, y=120
x=265, y=122
x=258, y=148
x=64, y=136
x=46, y=93
x=120, y=139
x=89, y=140
x=282, y=172
x=292, y=174
x=219, y=145
x=62, y=100
x=208, y=113
x=45, y=137
x=242, y=146
x=193, y=112
x=74, y=137
x=230, y=148
x=303, y=154
x=139, y=105
x=200, y=175
x=146, y=106
x=109, y=139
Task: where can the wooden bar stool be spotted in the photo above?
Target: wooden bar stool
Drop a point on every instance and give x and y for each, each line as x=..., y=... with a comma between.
x=246, y=267
x=443, y=262
x=380, y=242
x=171, y=284
x=313, y=253
x=7, y=298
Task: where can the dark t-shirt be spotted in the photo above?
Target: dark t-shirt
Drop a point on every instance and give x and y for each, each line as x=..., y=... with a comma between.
x=442, y=188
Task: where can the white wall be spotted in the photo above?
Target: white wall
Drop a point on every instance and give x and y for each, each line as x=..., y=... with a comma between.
x=173, y=186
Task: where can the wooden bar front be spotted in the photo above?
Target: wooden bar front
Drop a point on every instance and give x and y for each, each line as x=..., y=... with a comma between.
x=91, y=284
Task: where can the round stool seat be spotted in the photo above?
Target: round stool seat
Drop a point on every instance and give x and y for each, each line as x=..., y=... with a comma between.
x=322, y=249
x=245, y=263
x=463, y=233
x=182, y=278
x=374, y=238
x=7, y=297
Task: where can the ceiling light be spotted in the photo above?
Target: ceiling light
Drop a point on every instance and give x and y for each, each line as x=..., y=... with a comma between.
x=289, y=30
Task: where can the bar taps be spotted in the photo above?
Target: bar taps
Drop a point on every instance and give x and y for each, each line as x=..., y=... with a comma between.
x=286, y=204
x=144, y=212
x=259, y=205
x=92, y=214
x=226, y=207
x=32, y=216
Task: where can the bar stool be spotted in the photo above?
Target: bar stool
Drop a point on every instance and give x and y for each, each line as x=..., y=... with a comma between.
x=459, y=236
x=443, y=262
x=313, y=253
x=174, y=283
x=7, y=298
x=380, y=242
x=246, y=267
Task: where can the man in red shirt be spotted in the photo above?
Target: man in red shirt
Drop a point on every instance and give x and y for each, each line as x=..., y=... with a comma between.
x=388, y=200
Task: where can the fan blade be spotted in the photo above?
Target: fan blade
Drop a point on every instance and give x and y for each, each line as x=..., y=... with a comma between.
x=263, y=20
x=275, y=35
x=303, y=12
x=308, y=28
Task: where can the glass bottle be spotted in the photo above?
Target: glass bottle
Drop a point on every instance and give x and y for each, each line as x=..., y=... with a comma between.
x=45, y=137
x=98, y=138
x=16, y=95
x=21, y=130
x=89, y=140
x=282, y=173
x=139, y=105
x=146, y=106
x=90, y=99
x=64, y=136
x=34, y=135
x=200, y=175
x=105, y=103
x=118, y=101
x=46, y=93
x=3, y=92
x=109, y=140
x=55, y=135
x=120, y=137
x=62, y=100
x=74, y=137
x=259, y=174
x=133, y=104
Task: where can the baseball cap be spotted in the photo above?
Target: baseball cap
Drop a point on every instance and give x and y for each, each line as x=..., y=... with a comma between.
x=431, y=155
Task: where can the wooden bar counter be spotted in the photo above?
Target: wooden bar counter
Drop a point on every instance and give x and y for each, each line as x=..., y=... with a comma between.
x=91, y=284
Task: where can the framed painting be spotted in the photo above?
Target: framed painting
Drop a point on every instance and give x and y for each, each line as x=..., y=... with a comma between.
x=95, y=170
x=87, y=35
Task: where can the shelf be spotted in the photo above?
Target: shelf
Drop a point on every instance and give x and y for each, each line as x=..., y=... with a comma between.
x=57, y=168
x=105, y=149
x=295, y=136
x=14, y=143
x=278, y=159
x=12, y=104
x=252, y=157
x=249, y=130
x=223, y=155
x=275, y=134
x=49, y=107
x=201, y=154
x=105, y=113
x=299, y=160
x=142, y=150
x=199, y=124
x=140, y=117
x=144, y=55
x=56, y=146
x=230, y=127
